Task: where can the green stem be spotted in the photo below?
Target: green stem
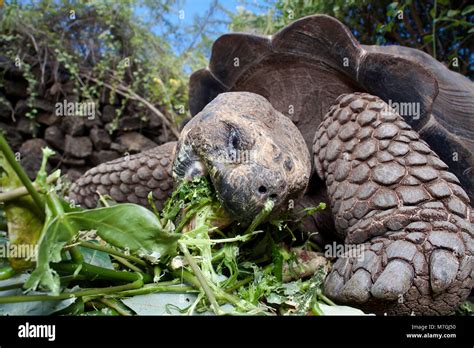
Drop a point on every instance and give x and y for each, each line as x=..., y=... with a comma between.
x=316, y=310
x=82, y=293
x=239, y=284
x=188, y=216
x=221, y=295
x=22, y=191
x=54, y=204
x=157, y=287
x=127, y=264
x=63, y=280
x=117, y=306
x=6, y=272
x=112, y=251
x=10, y=157
x=202, y=280
x=261, y=216
x=96, y=272
x=327, y=300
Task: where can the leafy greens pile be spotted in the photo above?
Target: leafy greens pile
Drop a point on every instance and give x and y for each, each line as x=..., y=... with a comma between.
x=124, y=259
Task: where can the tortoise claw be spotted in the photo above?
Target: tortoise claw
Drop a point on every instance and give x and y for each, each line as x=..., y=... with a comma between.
x=443, y=269
x=394, y=282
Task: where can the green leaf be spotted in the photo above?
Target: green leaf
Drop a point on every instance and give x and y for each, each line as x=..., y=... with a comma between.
x=469, y=9
x=278, y=259
x=427, y=38
x=127, y=226
x=29, y=308
x=452, y=13
x=96, y=257
x=160, y=303
x=23, y=223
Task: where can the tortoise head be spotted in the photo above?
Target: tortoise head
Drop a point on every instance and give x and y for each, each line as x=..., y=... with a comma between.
x=251, y=153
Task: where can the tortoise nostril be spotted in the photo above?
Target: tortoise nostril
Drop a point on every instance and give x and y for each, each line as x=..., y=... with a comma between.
x=273, y=196
x=262, y=189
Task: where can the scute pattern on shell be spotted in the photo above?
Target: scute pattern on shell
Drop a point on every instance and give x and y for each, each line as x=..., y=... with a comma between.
x=399, y=202
x=128, y=179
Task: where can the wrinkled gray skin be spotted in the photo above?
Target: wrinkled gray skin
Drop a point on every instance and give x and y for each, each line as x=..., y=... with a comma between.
x=233, y=141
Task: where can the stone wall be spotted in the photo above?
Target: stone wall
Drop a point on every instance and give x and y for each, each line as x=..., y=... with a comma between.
x=80, y=142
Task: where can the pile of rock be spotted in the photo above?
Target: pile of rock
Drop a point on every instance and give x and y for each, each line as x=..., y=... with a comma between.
x=80, y=142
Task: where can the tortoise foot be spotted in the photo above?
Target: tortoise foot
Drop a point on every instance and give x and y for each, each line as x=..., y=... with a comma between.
x=393, y=199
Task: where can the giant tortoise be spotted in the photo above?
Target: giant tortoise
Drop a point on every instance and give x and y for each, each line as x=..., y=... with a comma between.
x=375, y=132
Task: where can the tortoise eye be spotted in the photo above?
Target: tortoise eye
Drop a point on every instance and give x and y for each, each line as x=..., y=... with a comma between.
x=234, y=139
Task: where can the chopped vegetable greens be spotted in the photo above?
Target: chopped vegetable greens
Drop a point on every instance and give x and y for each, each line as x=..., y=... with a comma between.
x=123, y=259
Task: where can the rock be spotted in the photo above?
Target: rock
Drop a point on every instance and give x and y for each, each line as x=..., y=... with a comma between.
x=43, y=104
x=20, y=108
x=74, y=162
x=17, y=88
x=5, y=107
x=54, y=137
x=73, y=125
x=79, y=147
x=129, y=123
x=93, y=122
x=47, y=118
x=26, y=126
x=13, y=137
x=55, y=160
x=108, y=113
x=102, y=156
x=135, y=142
x=117, y=147
x=100, y=138
x=31, y=155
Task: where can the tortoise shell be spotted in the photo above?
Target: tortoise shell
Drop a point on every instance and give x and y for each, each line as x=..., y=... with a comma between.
x=304, y=67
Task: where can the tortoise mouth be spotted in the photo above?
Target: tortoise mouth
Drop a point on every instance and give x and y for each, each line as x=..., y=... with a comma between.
x=242, y=189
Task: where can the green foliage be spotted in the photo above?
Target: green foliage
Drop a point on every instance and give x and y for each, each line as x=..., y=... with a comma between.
x=145, y=243
x=102, y=48
x=24, y=224
x=126, y=226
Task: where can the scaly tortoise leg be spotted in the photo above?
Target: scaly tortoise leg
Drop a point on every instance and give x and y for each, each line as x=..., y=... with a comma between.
x=393, y=196
x=129, y=179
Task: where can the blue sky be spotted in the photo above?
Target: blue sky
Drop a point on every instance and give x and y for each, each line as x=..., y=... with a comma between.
x=191, y=9
x=199, y=7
